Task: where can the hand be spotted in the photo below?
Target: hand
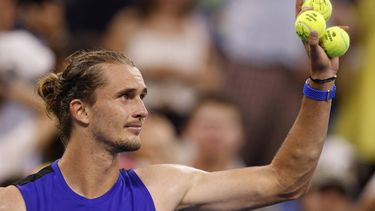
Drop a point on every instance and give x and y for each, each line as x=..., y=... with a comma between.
x=322, y=66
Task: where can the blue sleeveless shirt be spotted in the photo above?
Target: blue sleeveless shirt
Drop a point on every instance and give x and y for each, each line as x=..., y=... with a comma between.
x=48, y=191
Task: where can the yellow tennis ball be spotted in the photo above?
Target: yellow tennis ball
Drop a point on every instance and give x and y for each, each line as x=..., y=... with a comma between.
x=309, y=21
x=324, y=7
x=335, y=41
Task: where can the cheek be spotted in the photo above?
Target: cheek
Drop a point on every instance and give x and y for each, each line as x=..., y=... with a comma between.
x=108, y=116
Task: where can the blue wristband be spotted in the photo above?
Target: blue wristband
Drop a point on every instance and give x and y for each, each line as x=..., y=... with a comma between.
x=318, y=95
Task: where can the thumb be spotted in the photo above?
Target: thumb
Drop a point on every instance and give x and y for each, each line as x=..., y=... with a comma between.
x=313, y=43
x=313, y=39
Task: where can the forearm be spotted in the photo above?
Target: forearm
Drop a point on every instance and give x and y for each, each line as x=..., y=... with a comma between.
x=299, y=154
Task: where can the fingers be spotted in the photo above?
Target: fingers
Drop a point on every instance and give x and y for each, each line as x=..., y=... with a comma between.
x=313, y=39
x=300, y=9
x=304, y=9
x=313, y=44
x=336, y=62
x=298, y=6
x=307, y=48
x=346, y=28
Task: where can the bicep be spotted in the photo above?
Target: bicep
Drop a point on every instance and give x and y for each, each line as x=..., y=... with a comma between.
x=234, y=189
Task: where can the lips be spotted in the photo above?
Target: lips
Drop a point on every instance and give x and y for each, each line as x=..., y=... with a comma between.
x=134, y=127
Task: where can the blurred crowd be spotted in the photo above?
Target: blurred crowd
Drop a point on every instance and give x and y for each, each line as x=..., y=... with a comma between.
x=225, y=81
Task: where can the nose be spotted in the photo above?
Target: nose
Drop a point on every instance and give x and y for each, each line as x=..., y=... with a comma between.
x=140, y=111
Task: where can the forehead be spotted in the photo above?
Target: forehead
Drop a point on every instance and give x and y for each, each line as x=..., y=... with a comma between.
x=120, y=76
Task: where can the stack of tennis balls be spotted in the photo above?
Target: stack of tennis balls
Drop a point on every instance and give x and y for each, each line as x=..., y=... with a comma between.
x=334, y=40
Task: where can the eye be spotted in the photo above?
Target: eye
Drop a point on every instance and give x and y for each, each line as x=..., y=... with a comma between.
x=125, y=96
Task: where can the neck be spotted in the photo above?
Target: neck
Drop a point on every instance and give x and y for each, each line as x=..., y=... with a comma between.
x=87, y=167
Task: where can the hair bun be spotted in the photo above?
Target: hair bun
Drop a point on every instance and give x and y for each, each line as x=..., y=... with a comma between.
x=49, y=87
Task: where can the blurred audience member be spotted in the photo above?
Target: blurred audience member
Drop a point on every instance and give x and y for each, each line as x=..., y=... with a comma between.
x=45, y=19
x=87, y=20
x=345, y=12
x=266, y=69
x=213, y=136
x=215, y=129
x=23, y=59
x=23, y=56
x=334, y=183
x=367, y=201
x=25, y=130
x=327, y=197
x=159, y=144
x=171, y=44
x=356, y=116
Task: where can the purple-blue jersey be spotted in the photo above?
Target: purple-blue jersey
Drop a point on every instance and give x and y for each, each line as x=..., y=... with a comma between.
x=48, y=191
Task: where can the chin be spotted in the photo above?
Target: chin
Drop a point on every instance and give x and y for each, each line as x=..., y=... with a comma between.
x=128, y=145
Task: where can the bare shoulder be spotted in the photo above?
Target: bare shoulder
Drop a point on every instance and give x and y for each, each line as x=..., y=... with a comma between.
x=11, y=199
x=168, y=183
x=169, y=172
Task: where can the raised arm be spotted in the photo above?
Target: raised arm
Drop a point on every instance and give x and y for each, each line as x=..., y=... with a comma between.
x=289, y=174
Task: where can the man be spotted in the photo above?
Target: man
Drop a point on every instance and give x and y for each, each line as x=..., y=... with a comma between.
x=98, y=100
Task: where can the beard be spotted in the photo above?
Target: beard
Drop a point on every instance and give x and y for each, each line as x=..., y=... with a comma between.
x=121, y=146
x=118, y=146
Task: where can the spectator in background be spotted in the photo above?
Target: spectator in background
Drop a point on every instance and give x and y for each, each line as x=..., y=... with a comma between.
x=334, y=185
x=87, y=20
x=367, y=201
x=266, y=68
x=23, y=58
x=171, y=44
x=45, y=19
x=356, y=117
x=330, y=196
x=215, y=129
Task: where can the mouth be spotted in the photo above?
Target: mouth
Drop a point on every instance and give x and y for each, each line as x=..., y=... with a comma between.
x=134, y=128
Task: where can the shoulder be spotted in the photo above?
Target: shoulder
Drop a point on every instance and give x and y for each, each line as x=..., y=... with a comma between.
x=167, y=173
x=11, y=199
x=168, y=184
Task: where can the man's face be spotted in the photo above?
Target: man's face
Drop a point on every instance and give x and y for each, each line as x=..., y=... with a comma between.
x=116, y=118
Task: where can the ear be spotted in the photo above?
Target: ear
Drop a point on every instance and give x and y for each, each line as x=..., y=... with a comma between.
x=78, y=111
